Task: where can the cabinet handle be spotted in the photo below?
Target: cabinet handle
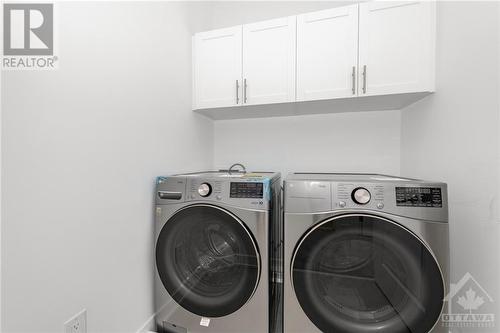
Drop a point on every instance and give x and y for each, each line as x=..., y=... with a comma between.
x=354, y=80
x=364, y=79
x=237, y=92
x=244, y=91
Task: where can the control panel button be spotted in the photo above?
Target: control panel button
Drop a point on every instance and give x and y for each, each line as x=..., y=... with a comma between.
x=342, y=204
x=204, y=190
x=380, y=205
x=361, y=196
x=218, y=197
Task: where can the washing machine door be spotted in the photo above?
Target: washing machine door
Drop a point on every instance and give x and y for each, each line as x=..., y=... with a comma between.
x=363, y=274
x=207, y=260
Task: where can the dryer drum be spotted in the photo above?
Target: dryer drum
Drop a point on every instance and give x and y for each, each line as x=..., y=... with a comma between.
x=207, y=260
x=362, y=273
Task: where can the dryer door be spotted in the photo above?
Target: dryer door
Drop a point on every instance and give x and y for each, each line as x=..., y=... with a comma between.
x=362, y=273
x=207, y=260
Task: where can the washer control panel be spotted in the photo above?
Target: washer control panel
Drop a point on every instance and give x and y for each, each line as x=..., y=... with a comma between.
x=255, y=190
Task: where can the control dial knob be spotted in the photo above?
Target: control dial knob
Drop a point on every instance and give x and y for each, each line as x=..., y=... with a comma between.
x=361, y=196
x=204, y=190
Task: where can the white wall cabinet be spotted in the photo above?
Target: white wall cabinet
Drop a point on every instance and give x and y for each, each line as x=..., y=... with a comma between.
x=245, y=65
x=382, y=51
x=327, y=54
x=217, y=68
x=396, y=47
x=269, y=61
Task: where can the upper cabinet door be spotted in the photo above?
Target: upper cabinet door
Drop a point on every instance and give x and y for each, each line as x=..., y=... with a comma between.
x=217, y=68
x=396, y=47
x=327, y=53
x=269, y=61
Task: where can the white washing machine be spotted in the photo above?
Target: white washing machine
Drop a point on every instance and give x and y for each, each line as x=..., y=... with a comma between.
x=213, y=235
x=364, y=254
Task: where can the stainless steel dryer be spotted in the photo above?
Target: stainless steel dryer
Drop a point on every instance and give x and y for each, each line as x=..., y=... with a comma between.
x=212, y=247
x=364, y=254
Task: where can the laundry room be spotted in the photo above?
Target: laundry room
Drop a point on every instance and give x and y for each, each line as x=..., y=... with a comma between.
x=250, y=166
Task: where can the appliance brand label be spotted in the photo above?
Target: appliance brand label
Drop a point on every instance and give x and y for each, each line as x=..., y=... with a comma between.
x=205, y=321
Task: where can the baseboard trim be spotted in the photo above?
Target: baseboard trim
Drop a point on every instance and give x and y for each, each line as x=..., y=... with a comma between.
x=148, y=326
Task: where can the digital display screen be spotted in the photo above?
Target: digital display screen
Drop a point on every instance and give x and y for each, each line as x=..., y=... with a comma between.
x=419, y=197
x=246, y=190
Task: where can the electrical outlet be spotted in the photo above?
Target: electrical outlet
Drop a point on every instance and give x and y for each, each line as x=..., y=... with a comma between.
x=77, y=324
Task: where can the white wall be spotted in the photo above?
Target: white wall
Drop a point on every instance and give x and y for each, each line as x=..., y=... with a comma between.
x=453, y=136
x=1, y=295
x=344, y=142
x=81, y=147
x=229, y=13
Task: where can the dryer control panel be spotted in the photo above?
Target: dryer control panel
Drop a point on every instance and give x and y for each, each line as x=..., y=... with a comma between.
x=322, y=193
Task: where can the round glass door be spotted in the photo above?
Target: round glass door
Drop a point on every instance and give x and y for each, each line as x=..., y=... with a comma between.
x=361, y=273
x=207, y=260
